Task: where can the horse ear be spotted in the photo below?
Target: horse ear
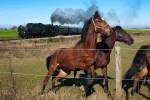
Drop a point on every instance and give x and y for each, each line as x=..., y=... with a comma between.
x=118, y=27
x=96, y=14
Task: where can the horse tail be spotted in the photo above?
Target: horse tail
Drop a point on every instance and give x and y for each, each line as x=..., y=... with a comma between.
x=138, y=61
x=48, y=61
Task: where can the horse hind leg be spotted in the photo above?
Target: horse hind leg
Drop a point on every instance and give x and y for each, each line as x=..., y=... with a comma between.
x=50, y=71
x=74, y=79
x=60, y=75
x=148, y=84
x=143, y=72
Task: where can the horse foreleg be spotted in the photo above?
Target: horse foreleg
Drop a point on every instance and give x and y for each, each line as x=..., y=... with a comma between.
x=127, y=94
x=126, y=85
x=105, y=82
x=135, y=86
x=74, y=79
x=89, y=83
x=143, y=72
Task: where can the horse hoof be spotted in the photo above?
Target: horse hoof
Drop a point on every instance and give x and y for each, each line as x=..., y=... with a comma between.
x=106, y=90
x=82, y=88
x=132, y=92
x=54, y=90
x=88, y=93
x=110, y=97
x=41, y=93
x=74, y=85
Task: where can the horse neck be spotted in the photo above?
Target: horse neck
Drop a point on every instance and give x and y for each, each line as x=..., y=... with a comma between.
x=110, y=41
x=91, y=38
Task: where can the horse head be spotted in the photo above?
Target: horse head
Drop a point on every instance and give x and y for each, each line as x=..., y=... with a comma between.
x=96, y=25
x=101, y=25
x=122, y=35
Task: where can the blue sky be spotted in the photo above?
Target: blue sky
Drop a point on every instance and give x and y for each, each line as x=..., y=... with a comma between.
x=16, y=12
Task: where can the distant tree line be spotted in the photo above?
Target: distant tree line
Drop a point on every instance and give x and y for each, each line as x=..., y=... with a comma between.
x=9, y=28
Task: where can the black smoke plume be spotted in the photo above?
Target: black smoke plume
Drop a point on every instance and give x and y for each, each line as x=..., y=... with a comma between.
x=72, y=16
x=129, y=13
x=113, y=17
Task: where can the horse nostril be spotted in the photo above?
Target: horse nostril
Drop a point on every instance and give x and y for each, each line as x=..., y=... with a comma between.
x=131, y=42
x=107, y=31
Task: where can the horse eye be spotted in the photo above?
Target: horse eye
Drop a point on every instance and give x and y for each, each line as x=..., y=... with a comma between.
x=97, y=20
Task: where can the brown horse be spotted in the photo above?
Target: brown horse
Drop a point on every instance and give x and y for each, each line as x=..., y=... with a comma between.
x=104, y=50
x=140, y=68
x=82, y=55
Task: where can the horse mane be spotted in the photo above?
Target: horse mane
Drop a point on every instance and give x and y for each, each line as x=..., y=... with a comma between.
x=103, y=45
x=139, y=59
x=84, y=29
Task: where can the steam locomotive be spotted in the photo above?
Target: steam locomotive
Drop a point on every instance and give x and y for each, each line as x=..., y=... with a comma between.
x=38, y=30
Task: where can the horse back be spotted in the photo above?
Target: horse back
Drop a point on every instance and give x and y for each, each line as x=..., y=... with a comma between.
x=138, y=61
x=148, y=55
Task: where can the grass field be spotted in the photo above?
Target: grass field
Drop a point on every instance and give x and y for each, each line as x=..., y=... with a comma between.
x=12, y=34
x=138, y=30
x=28, y=84
x=8, y=34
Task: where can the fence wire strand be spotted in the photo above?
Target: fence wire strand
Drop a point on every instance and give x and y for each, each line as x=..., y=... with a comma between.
x=24, y=49
x=40, y=75
x=43, y=75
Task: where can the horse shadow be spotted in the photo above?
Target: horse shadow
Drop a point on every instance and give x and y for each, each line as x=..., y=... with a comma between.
x=130, y=83
x=81, y=80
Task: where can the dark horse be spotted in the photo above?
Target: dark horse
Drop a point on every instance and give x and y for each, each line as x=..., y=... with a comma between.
x=82, y=56
x=140, y=68
x=104, y=50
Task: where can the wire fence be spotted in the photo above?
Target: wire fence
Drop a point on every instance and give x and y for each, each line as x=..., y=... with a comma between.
x=67, y=49
x=43, y=75
x=24, y=74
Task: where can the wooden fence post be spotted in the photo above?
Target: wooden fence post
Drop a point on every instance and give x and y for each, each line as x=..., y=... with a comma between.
x=118, y=74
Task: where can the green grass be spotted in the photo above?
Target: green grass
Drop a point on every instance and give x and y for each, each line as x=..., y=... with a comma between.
x=138, y=30
x=12, y=34
x=8, y=34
